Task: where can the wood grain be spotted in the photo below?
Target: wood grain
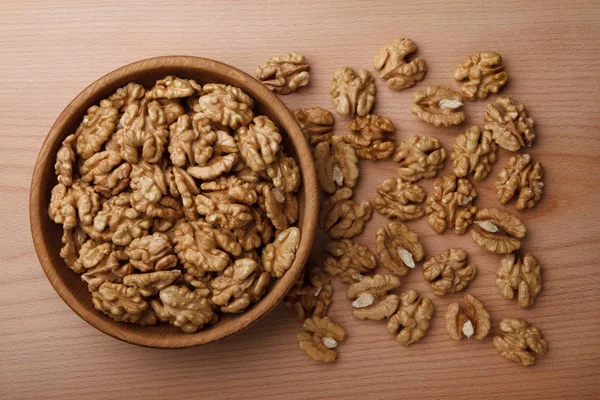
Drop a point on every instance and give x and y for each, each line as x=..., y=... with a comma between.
x=51, y=51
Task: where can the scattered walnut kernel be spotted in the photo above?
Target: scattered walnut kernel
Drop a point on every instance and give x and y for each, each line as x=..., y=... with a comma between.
x=399, y=248
x=370, y=299
x=316, y=124
x=419, y=157
x=448, y=272
x=485, y=75
x=277, y=257
x=395, y=199
x=239, y=285
x=348, y=260
x=341, y=217
x=519, y=341
x=352, y=94
x=367, y=136
x=473, y=153
x=411, y=321
x=319, y=338
x=399, y=73
x=187, y=309
x=450, y=204
x=337, y=164
x=311, y=294
x=497, y=231
x=439, y=106
x=284, y=74
x=521, y=277
x=509, y=123
x=520, y=174
x=474, y=323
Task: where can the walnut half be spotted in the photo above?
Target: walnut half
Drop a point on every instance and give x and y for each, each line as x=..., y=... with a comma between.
x=519, y=341
x=521, y=277
x=448, y=272
x=320, y=337
x=419, y=157
x=413, y=318
x=399, y=73
x=439, y=106
x=397, y=199
x=522, y=176
x=475, y=322
x=450, y=204
x=352, y=94
x=473, y=153
x=497, y=231
x=399, y=248
x=370, y=299
x=285, y=73
x=484, y=74
x=509, y=123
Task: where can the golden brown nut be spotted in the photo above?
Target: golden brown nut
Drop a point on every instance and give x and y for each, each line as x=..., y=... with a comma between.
x=439, y=106
x=119, y=222
x=183, y=185
x=277, y=257
x=419, y=157
x=485, y=75
x=367, y=136
x=474, y=323
x=348, y=260
x=450, y=204
x=519, y=341
x=448, y=272
x=96, y=128
x=239, y=285
x=172, y=87
x=285, y=174
x=120, y=302
x=216, y=167
x=229, y=208
x=109, y=176
x=319, y=338
x=280, y=208
x=311, y=294
x=352, y=94
x=259, y=143
x=65, y=159
x=370, y=298
x=337, y=164
x=191, y=140
x=93, y=254
x=520, y=277
x=225, y=104
x=473, y=153
x=285, y=73
x=187, y=309
x=127, y=95
x=68, y=205
x=341, y=217
x=149, y=190
x=72, y=240
x=151, y=283
x=497, y=231
x=399, y=248
x=411, y=321
x=399, y=73
x=509, y=123
x=395, y=199
x=151, y=253
x=107, y=272
x=316, y=124
x=259, y=232
x=520, y=174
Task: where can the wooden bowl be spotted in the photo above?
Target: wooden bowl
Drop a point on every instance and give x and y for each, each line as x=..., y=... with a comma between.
x=47, y=235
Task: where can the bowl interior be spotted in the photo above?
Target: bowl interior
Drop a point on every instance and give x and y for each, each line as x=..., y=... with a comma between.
x=47, y=234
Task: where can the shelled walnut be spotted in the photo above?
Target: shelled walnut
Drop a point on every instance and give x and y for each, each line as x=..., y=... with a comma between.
x=519, y=341
x=497, y=231
x=439, y=106
x=509, y=123
x=390, y=60
x=522, y=176
x=337, y=164
x=316, y=124
x=367, y=136
x=341, y=217
x=398, y=199
x=370, y=298
x=348, y=260
x=412, y=319
x=448, y=272
x=311, y=294
x=484, y=73
x=170, y=199
x=450, y=204
x=419, y=157
x=473, y=153
x=520, y=277
x=352, y=94
x=320, y=337
x=399, y=248
x=475, y=322
x=285, y=73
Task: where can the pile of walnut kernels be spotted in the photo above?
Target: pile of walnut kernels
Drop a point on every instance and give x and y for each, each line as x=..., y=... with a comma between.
x=449, y=205
x=177, y=203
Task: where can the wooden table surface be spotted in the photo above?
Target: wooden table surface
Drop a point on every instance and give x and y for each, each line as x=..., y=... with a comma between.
x=52, y=50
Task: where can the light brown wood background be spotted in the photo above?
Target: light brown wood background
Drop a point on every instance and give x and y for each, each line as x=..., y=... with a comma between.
x=49, y=51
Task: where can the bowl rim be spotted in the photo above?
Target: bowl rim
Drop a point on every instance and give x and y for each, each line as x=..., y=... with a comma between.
x=308, y=218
